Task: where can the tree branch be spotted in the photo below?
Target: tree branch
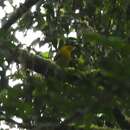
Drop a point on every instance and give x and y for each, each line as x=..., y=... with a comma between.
x=63, y=125
x=121, y=119
x=35, y=63
x=18, y=13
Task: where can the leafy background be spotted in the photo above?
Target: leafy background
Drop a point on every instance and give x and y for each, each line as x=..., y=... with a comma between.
x=97, y=77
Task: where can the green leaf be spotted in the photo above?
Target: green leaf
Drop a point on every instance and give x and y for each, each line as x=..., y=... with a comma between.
x=45, y=55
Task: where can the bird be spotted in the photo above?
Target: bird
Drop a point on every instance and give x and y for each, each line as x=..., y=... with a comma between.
x=64, y=55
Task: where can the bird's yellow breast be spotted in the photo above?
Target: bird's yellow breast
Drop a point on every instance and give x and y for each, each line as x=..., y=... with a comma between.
x=66, y=51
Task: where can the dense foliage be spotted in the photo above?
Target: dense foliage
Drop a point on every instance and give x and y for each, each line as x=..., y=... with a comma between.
x=94, y=82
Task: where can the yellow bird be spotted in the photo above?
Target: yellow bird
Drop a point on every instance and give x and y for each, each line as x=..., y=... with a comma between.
x=64, y=55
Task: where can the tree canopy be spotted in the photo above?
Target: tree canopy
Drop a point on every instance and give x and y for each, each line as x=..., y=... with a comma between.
x=92, y=90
